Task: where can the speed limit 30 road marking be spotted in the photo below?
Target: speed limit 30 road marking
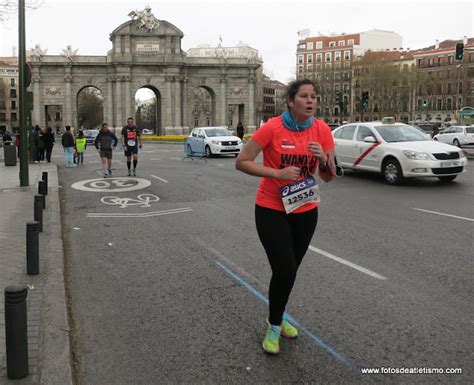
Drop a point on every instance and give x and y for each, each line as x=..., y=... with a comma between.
x=111, y=184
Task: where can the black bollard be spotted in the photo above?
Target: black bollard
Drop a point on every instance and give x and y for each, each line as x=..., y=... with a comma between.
x=16, y=332
x=42, y=188
x=32, y=248
x=39, y=211
x=44, y=177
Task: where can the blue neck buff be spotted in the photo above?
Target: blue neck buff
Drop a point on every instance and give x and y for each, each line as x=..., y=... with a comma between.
x=290, y=122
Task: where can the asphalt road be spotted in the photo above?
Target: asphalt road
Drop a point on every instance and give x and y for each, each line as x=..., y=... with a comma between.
x=175, y=292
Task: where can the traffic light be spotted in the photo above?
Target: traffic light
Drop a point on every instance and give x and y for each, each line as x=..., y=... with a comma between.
x=365, y=99
x=459, y=51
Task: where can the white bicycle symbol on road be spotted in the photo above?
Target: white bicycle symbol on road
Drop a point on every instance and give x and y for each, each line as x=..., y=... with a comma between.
x=143, y=200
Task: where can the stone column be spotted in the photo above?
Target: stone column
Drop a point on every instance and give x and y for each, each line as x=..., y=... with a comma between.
x=223, y=117
x=118, y=102
x=68, y=118
x=128, y=111
x=251, y=118
x=177, y=103
x=185, y=102
x=110, y=102
x=168, y=118
x=35, y=80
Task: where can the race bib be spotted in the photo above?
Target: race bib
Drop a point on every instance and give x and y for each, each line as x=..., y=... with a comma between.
x=131, y=142
x=299, y=193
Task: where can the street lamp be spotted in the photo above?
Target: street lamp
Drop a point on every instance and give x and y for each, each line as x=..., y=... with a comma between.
x=24, y=178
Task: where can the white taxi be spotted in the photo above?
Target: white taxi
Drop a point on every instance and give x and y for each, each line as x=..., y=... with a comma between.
x=396, y=150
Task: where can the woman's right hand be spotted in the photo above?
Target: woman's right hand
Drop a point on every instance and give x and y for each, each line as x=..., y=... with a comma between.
x=289, y=173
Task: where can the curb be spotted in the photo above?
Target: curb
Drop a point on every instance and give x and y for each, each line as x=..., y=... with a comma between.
x=56, y=351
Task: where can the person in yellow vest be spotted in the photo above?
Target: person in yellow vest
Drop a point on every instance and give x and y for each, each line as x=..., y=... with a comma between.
x=80, y=145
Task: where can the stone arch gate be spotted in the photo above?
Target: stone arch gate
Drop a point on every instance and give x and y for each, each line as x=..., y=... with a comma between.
x=146, y=52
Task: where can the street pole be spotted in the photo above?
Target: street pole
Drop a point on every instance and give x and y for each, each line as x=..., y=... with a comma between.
x=24, y=178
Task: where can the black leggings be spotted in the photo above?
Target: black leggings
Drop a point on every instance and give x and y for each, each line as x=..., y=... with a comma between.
x=286, y=238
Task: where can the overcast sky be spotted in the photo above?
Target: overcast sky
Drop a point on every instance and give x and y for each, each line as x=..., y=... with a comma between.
x=269, y=26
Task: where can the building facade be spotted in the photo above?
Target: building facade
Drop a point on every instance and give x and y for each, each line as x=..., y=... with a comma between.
x=9, y=110
x=328, y=61
x=273, y=98
x=146, y=53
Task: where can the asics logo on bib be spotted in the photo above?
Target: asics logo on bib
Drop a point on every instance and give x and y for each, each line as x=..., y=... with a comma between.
x=293, y=187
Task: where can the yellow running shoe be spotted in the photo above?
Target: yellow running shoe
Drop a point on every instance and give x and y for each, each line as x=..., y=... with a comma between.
x=271, y=342
x=288, y=330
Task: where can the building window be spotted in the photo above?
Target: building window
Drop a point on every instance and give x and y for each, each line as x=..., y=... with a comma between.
x=337, y=56
x=337, y=87
x=309, y=46
x=319, y=44
x=319, y=57
x=300, y=59
x=309, y=58
x=13, y=93
x=2, y=117
x=300, y=69
x=327, y=65
x=449, y=104
x=328, y=56
x=337, y=66
x=420, y=63
x=309, y=68
x=341, y=43
x=346, y=87
x=450, y=59
x=347, y=55
x=12, y=82
x=13, y=116
x=196, y=122
x=319, y=67
x=13, y=104
x=441, y=61
x=449, y=90
x=430, y=62
x=337, y=76
x=332, y=44
x=350, y=42
x=439, y=89
x=302, y=46
x=440, y=104
x=347, y=65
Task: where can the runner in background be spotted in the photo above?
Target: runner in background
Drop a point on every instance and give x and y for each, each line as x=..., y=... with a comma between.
x=104, y=142
x=131, y=141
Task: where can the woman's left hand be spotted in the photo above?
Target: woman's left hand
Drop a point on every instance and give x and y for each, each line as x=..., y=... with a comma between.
x=317, y=150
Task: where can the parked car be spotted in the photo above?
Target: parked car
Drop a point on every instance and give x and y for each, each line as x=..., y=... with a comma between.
x=333, y=126
x=457, y=135
x=211, y=141
x=397, y=151
x=146, y=131
x=428, y=128
x=90, y=135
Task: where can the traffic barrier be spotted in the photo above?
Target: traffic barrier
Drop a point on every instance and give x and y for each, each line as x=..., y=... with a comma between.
x=32, y=248
x=16, y=332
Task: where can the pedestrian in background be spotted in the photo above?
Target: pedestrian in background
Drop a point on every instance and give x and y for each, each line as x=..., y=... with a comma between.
x=105, y=142
x=81, y=146
x=48, y=139
x=240, y=131
x=40, y=144
x=67, y=140
x=295, y=147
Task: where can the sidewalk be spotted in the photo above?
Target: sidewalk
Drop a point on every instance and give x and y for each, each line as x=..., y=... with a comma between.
x=48, y=329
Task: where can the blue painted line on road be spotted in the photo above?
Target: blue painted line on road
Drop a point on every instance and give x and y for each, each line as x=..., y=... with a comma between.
x=264, y=299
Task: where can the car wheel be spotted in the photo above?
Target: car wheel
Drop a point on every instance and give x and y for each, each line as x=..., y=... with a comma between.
x=208, y=151
x=435, y=139
x=392, y=171
x=456, y=143
x=447, y=178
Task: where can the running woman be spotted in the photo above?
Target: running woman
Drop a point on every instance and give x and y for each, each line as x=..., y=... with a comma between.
x=104, y=142
x=131, y=141
x=295, y=147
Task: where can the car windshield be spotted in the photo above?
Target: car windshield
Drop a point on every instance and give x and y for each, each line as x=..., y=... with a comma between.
x=217, y=132
x=470, y=130
x=393, y=134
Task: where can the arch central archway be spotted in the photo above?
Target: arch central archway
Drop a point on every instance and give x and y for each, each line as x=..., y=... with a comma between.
x=148, y=113
x=204, y=107
x=90, y=108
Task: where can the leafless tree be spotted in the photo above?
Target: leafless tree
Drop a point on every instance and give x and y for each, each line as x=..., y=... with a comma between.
x=9, y=8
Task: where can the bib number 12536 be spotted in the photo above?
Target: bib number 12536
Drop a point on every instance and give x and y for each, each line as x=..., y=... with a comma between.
x=299, y=193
